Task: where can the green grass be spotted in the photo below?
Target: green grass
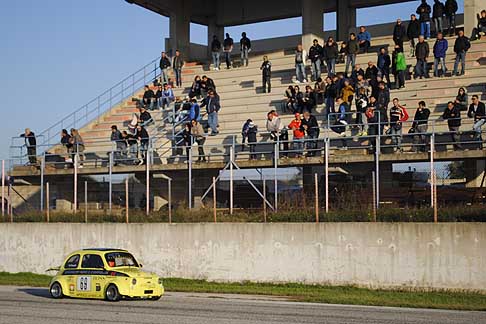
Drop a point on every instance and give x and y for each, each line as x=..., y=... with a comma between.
x=300, y=292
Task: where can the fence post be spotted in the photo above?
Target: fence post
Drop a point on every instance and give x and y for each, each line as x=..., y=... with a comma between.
x=48, y=207
x=316, y=189
x=147, y=182
x=231, y=179
x=275, y=158
x=432, y=171
x=10, y=208
x=214, y=200
x=3, y=188
x=170, y=200
x=110, y=184
x=377, y=161
x=190, y=178
x=86, y=201
x=126, y=200
x=326, y=176
x=373, y=182
x=42, y=167
x=435, y=199
x=75, y=206
x=264, y=200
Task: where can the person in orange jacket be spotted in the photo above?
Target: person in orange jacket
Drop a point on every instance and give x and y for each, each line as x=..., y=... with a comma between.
x=298, y=140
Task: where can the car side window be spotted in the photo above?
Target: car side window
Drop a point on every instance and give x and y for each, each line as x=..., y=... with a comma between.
x=92, y=261
x=72, y=262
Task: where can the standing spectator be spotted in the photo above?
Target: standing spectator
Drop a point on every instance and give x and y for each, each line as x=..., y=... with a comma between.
x=424, y=11
x=194, y=111
x=477, y=110
x=228, y=48
x=142, y=137
x=187, y=139
x=167, y=96
x=440, y=49
x=266, y=74
x=195, y=91
x=422, y=52
x=215, y=51
x=450, y=13
x=206, y=85
x=361, y=107
x=116, y=138
x=300, y=57
x=398, y=115
x=371, y=71
x=315, y=54
x=310, y=126
x=177, y=64
x=148, y=98
x=453, y=116
x=211, y=102
x=382, y=102
x=343, y=51
x=413, y=33
x=252, y=139
x=276, y=132
x=480, y=30
x=298, y=138
x=399, y=67
x=372, y=121
x=330, y=54
x=383, y=64
x=164, y=65
x=461, y=99
x=461, y=46
x=31, y=144
x=78, y=144
x=198, y=134
x=66, y=140
x=245, y=47
x=420, y=121
x=399, y=33
x=352, y=49
x=244, y=132
x=330, y=94
x=364, y=39
x=438, y=13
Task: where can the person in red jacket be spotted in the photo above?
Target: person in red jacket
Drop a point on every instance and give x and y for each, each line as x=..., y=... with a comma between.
x=298, y=140
x=398, y=115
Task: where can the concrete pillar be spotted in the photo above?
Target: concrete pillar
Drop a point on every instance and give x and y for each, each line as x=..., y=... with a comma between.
x=346, y=19
x=214, y=29
x=471, y=9
x=179, y=29
x=474, y=170
x=312, y=22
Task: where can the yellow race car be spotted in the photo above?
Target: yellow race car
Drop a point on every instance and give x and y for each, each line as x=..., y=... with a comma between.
x=109, y=274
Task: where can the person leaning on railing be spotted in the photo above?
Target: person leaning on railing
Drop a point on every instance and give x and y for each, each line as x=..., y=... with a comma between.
x=197, y=132
x=419, y=127
x=31, y=144
x=78, y=144
x=398, y=115
x=277, y=133
x=142, y=137
x=66, y=141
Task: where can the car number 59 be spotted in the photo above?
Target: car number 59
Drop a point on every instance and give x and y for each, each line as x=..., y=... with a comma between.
x=84, y=284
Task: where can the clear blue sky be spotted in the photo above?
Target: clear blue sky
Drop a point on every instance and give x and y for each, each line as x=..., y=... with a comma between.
x=59, y=54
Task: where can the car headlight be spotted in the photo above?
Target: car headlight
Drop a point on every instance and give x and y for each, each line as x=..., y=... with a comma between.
x=160, y=281
x=134, y=281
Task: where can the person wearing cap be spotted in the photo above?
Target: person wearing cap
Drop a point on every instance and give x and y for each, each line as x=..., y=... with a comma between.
x=298, y=139
x=315, y=55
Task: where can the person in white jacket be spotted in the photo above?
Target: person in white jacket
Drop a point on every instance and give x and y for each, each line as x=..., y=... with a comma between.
x=277, y=132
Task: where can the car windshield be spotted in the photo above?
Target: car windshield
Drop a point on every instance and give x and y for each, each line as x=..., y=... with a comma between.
x=120, y=259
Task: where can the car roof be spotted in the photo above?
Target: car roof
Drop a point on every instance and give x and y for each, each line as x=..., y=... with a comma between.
x=104, y=249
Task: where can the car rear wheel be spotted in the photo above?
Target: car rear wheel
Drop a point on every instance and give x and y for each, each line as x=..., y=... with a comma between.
x=112, y=293
x=56, y=290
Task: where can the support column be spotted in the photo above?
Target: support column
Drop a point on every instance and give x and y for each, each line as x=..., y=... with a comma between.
x=312, y=22
x=214, y=29
x=346, y=19
x=179, y=29
x=474, y=172
x=471, y=9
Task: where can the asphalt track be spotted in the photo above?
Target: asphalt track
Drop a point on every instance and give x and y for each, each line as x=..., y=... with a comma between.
x=22, y=305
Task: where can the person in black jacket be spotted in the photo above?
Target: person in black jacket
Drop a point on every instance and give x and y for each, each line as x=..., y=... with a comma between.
x=252, y=138
x=399, y=33
x=330, y=94
x=438, y=13
x=315, y=54
x=245, y=47
x=424, y=11
x=177, y=64
x=413, y=33
x=31, y=144
x=352, y=49
x=331, y=53
x=383, y=64
x=480, y=30
x=143, y=138
x=149, y=100
x=461, y=46
x=228, y=48
x=206, y=85
x=422, y=52
x=420, y=126
x=450, y=13
x=310, y=126
x=215, y=52
x=453, y=116
x=266, y=74
x=212, y=104
x=164, y=65
x=477, y=110
x=371, y=71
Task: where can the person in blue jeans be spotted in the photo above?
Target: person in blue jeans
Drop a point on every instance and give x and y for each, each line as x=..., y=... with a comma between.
x=461, y=46
x=215, y=52
x=211, y=102
x=440, y=48
x=352, y=49
x=245, y=47
x=300, y=58
x=421, y=54
x=424, y=11
x=315, y=55
x=177, y=64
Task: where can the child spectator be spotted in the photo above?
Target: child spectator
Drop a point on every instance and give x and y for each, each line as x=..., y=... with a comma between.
x=364, y=39
x=266, y=74
x=298, y=138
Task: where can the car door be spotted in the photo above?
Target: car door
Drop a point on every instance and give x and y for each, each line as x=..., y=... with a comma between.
x=71, y=273
x=92, y=267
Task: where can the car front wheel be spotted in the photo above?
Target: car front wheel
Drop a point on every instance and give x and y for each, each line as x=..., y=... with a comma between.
x=112, y=293
x=56, y=290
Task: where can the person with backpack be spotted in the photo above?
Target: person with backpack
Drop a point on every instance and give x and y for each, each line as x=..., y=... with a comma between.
x=399, y=67
x=228, y=48
x=215, y=51
x=453, y=116
x=438, y=14
x=450, y=13
x=245, y=48
x=424, y=11
x=461, y=46
x=440, y=49
x=266, y=74
x=398, y=115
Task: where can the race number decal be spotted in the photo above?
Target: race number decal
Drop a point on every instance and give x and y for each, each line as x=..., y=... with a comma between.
x=84, y=284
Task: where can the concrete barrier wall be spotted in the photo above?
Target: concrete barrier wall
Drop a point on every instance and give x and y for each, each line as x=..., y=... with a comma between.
x=444, y=256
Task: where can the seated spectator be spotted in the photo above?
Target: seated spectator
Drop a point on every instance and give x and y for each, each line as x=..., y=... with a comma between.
x=419, y=127
x=206, y=85
x=142, y=137
x=362, y=83
x=453, y=116
x=461, y=99
x=195, y=91
x=290, y=100
x=167, y=96
x=480, y=31
x=339, y=81
x=371, y=71
x=383, y=65
x=299, y=100
x=330, y=94
x=398, y=115
x=318, y=90
x=308, y=101
x=31, y=144
x=298, y=138
x=310, y=126
x=364, y=39
x=356, y=72
x=199, y=137
x=347, y=93
x=65, y=140
x=399, y=67
x=148, y=98
x=477, y=111
x=145, y=118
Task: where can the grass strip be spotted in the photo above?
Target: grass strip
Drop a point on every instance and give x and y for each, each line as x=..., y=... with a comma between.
x=299, y=292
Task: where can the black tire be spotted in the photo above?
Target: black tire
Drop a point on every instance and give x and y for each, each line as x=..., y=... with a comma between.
x=112, y=294
x=56, y=290
x=155, y=298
